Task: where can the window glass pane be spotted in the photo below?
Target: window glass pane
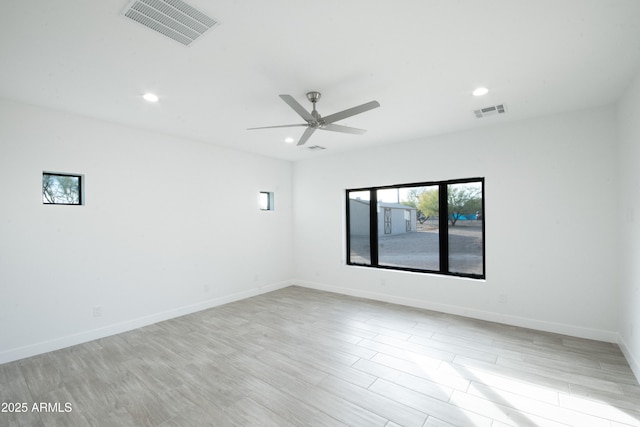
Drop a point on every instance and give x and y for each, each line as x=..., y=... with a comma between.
x=408, y=227
x=359, y=229
x=465, y=224
x=266, y=201
x=60, y=189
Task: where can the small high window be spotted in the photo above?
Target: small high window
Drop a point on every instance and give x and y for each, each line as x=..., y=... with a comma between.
x=61, y=189
x=266, y=201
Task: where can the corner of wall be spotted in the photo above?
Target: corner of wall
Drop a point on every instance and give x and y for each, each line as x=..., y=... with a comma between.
x=634, y=363
x=628, y=145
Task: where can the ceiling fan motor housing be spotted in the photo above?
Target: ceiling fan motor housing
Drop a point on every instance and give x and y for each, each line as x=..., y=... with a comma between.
x=313, y=96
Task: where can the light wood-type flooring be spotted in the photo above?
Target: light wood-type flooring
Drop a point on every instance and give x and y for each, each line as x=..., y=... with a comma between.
x=301, y=357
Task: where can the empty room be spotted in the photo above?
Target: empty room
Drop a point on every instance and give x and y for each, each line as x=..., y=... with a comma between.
x=291, y=213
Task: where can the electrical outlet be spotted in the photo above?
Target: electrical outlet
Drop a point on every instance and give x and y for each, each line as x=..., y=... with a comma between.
x=97, y=311
x=502, y=298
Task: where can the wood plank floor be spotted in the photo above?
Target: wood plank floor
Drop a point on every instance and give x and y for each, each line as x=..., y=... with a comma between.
x=300, y=357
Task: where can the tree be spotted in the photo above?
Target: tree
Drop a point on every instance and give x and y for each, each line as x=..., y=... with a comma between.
x=462, y=200
x=428, y=203
x=61, y=189
x=413, y=198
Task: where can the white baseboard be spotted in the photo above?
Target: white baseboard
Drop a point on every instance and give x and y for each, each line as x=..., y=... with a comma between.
x=540, y=325
x=633, y=361
x=117, y=328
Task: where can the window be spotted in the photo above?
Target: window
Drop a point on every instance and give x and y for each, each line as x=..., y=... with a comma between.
x=61, y=189
x=406, y=227
x=266, y=201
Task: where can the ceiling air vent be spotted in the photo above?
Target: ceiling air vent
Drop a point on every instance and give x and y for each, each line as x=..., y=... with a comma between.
x=490, y=111
x=172, y=18
x=316, y=148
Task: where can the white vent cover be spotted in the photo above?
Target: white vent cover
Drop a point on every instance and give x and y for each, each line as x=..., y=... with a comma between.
x=172, y=18
x=490, y=111
x=316, y=148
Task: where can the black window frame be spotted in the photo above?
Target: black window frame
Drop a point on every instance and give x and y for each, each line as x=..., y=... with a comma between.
x=80, y=188
x=443, y=227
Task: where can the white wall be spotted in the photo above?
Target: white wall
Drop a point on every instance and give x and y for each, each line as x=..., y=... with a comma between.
x=629, y=219
x=170, y=226
x=551, y=241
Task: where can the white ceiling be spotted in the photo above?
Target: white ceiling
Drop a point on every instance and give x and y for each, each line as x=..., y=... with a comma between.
x=419, y=58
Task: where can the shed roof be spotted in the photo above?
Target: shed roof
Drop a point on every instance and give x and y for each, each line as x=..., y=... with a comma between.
x=385, y=204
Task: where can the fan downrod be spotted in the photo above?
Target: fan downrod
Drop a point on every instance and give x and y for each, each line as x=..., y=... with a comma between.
x=315, y=97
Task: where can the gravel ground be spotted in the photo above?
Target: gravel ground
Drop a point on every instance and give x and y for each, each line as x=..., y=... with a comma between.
x=419, y=249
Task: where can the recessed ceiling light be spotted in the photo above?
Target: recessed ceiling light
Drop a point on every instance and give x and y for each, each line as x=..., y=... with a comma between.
x=480, y=91
x=151, y=97
x=288, y=140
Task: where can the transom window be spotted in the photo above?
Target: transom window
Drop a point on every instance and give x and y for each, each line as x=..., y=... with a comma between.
x=407, y=227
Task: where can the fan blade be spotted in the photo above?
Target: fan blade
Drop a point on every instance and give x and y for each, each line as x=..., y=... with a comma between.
x=298, y=108
x=351, y=112
x=305, y=136
x=281, y=126
x=344, y=129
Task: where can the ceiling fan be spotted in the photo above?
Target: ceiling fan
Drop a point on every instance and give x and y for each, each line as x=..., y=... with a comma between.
x=315, y=121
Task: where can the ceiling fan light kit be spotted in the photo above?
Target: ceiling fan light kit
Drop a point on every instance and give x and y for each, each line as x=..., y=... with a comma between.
x=315, y=121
